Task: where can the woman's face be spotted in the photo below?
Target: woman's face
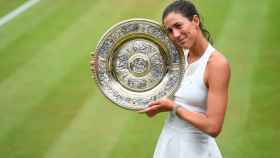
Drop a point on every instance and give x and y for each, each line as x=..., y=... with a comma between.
x=181, y=30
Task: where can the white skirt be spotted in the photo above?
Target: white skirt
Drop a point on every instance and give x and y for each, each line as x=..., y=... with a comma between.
x=179, y=139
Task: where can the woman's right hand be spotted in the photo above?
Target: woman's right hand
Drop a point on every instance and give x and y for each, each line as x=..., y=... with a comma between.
x=161, y=105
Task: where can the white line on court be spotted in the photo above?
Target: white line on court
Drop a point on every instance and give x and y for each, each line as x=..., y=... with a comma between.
x=17, y=11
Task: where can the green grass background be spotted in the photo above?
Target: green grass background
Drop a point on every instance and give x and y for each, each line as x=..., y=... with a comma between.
x=8, y=5
x=51, y=108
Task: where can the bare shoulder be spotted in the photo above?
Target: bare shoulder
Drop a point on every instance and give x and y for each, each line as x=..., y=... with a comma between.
x=217, y=70
x=217, y=61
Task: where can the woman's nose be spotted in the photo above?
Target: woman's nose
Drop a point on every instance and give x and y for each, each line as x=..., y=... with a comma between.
x=176, y=33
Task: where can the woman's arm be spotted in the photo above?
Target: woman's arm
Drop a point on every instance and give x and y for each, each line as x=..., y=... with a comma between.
x=217, y=75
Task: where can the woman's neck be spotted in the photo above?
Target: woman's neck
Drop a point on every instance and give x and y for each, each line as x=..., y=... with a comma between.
x=198, y=48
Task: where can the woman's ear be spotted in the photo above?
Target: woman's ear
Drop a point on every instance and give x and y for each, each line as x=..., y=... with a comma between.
x=196, y=20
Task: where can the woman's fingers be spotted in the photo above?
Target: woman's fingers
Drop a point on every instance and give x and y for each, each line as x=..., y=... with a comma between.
x=151, y=113
x=144, y=110
x=150, y=108
x=155, y=107
x=154, y=103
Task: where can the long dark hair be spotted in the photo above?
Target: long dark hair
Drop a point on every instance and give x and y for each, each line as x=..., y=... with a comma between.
x=188, y=10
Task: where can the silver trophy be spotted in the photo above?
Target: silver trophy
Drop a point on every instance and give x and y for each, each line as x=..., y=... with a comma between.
x=136, y=63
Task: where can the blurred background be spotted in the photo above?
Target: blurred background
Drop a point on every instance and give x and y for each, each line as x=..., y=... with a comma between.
x=51, y=108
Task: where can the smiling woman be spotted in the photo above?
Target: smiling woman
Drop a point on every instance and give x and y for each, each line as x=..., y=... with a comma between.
x=198, y=109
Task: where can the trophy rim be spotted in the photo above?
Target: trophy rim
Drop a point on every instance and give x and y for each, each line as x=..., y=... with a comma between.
x=102, y=39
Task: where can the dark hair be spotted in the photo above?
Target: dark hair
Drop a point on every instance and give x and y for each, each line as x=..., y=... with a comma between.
x=188, y=10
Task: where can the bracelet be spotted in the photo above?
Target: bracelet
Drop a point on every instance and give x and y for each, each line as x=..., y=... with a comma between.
x=175, y=109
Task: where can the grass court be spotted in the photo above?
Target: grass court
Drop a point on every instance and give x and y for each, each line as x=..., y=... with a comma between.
x=51, y=108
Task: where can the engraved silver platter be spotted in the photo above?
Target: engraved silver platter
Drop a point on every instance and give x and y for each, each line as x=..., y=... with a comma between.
x=135, y=63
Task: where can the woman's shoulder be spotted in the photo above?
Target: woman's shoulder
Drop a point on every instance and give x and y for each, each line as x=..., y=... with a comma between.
x=217, y=59
x=218, y=66
x=217, y=70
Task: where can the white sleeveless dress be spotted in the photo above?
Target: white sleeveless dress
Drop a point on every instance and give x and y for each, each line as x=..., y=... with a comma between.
x=180, y=139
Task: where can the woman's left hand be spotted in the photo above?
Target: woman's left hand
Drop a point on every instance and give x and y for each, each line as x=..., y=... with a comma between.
x=161, y=105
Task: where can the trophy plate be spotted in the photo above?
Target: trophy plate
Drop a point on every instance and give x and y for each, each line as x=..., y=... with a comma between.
x=135, y=63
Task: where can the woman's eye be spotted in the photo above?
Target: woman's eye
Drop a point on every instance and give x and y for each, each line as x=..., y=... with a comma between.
x=178, y=26
x=169, y=30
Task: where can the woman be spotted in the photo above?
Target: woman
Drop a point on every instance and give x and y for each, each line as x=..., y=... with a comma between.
x=198, y=109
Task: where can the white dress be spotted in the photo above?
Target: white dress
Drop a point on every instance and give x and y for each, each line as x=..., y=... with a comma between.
x=180, y=139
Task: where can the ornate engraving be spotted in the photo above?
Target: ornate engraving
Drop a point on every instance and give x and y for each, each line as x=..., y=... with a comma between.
x=136, y=63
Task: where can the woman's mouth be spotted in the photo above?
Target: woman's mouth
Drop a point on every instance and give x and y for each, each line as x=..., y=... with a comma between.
x=182, y=41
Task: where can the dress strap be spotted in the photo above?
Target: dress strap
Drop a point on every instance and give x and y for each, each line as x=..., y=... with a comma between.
x=210, y=49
